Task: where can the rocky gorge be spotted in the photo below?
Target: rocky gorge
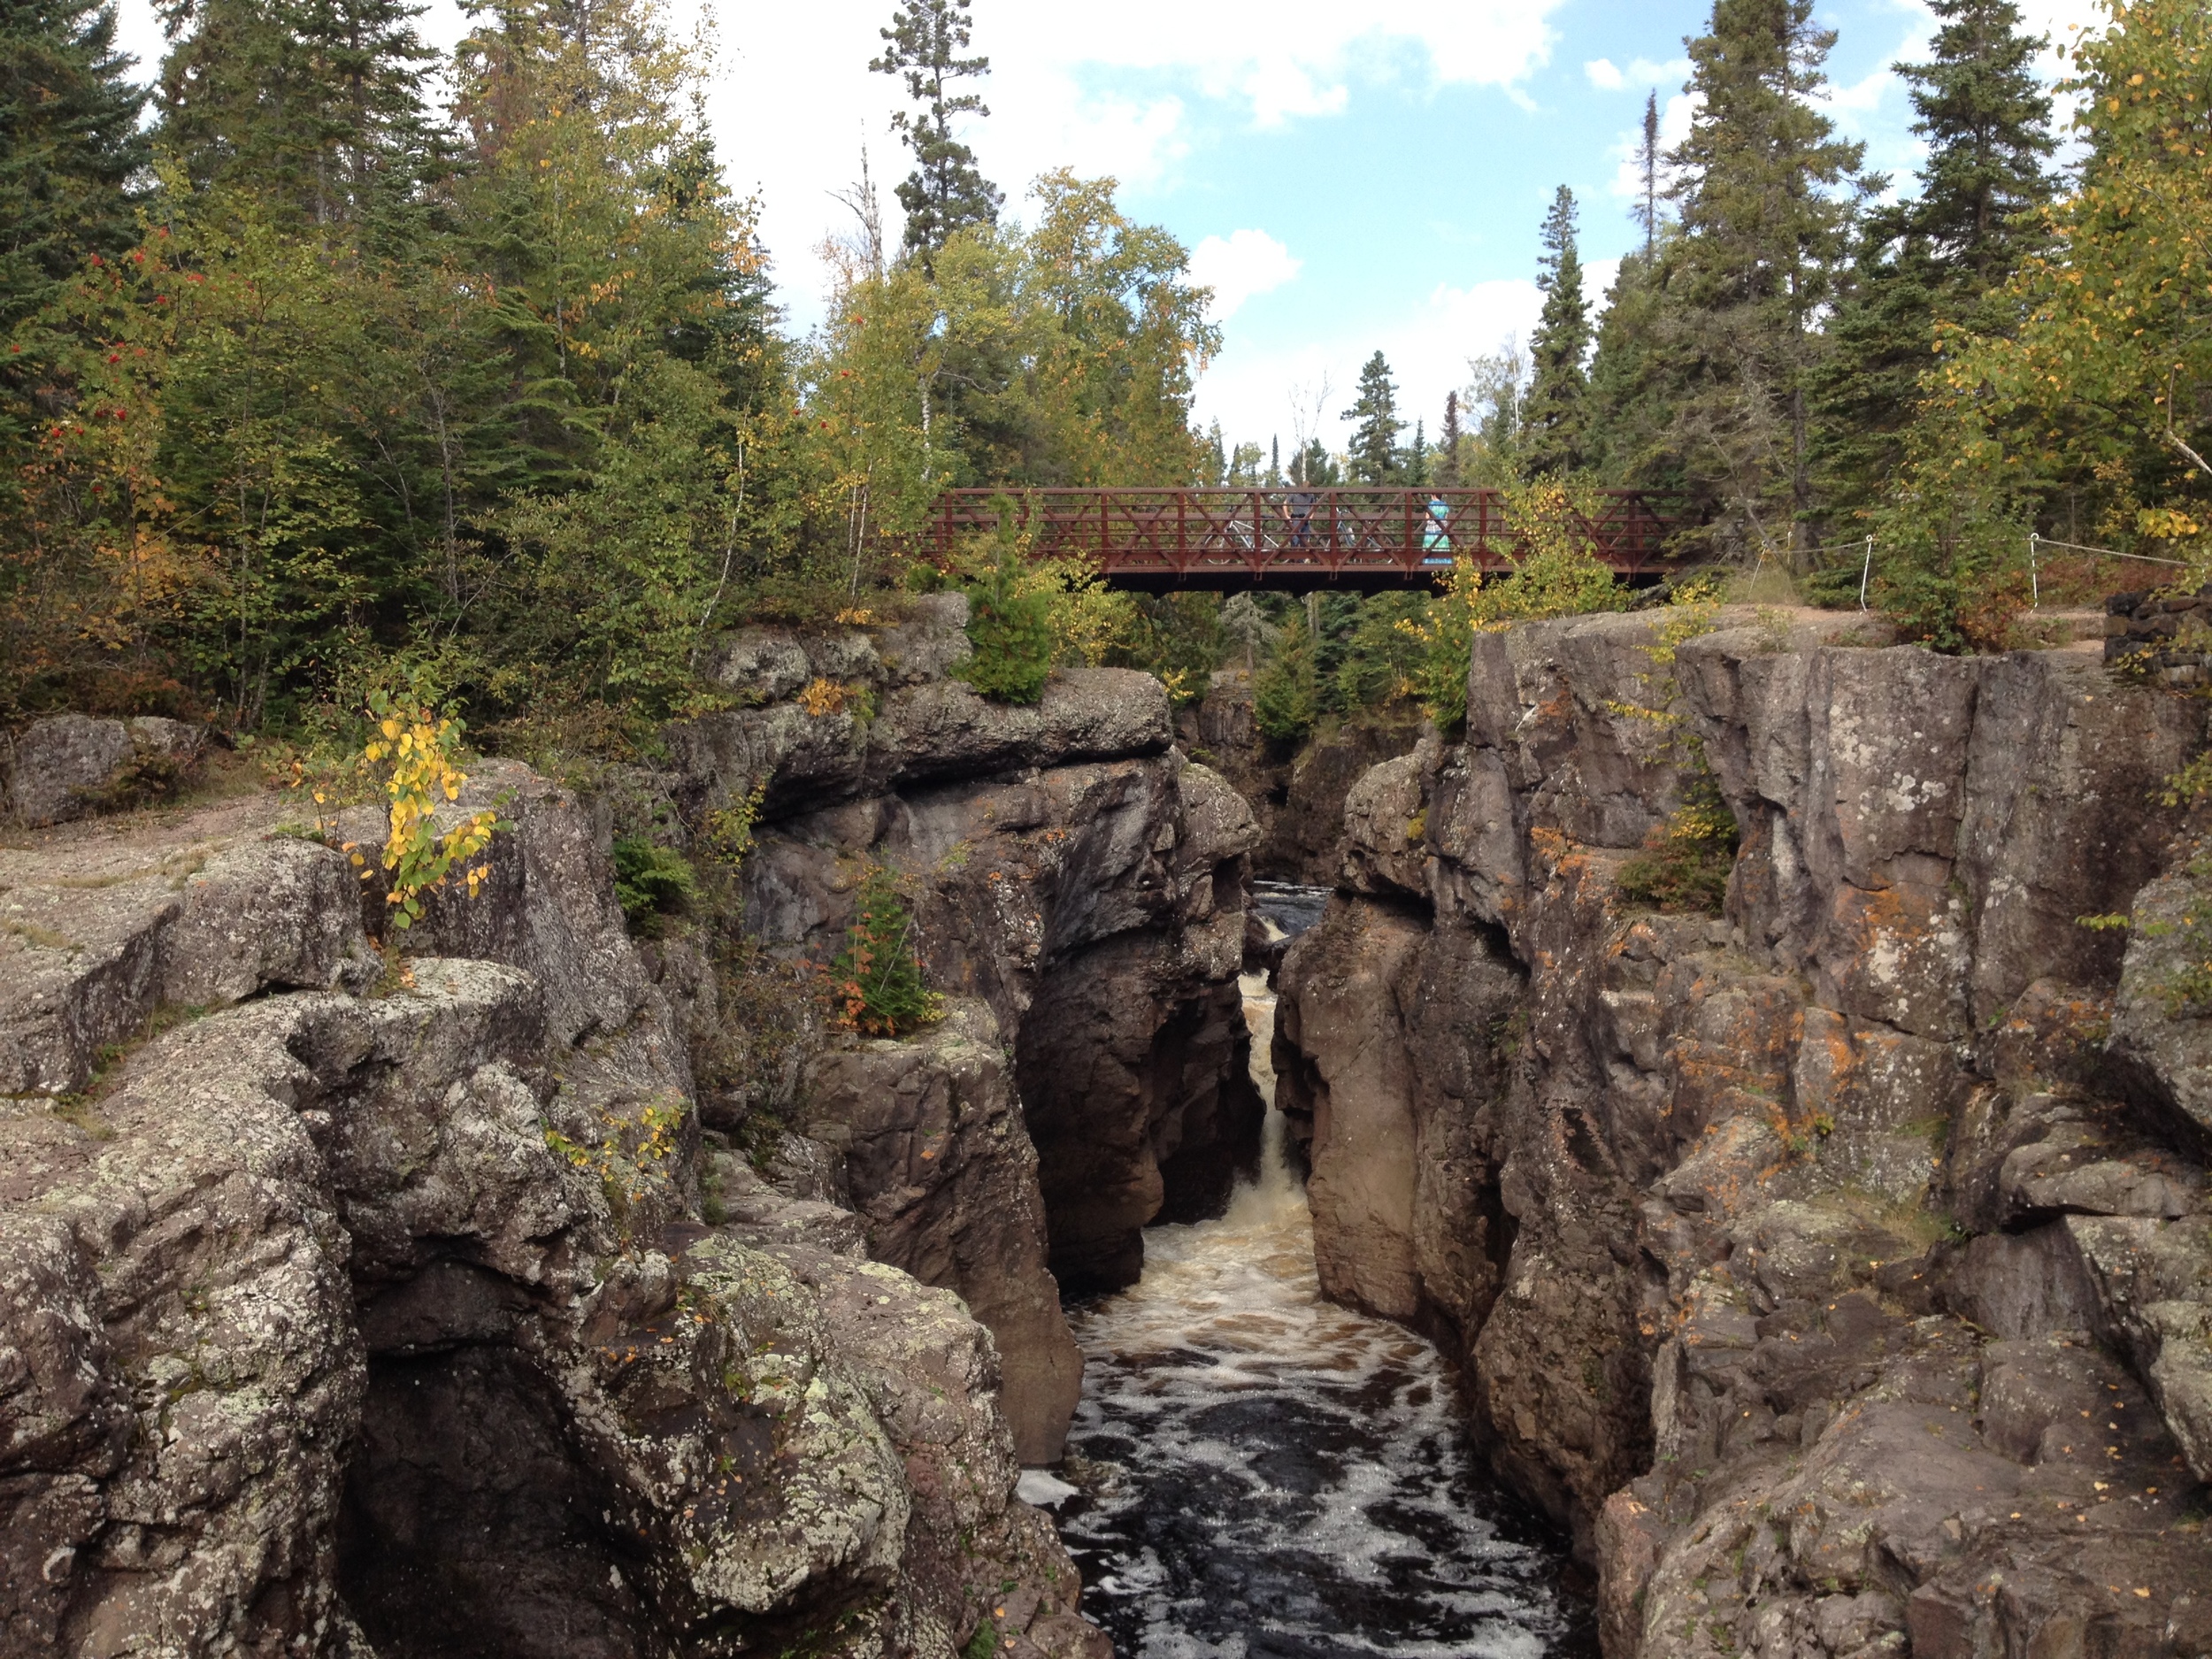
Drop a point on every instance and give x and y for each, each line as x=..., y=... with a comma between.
x=1833, y=1268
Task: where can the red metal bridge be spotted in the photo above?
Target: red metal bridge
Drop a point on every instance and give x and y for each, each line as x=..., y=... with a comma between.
x=1293, y=540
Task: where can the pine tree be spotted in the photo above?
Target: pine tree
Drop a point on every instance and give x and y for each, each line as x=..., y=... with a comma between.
x=312, y=106
x=1647, y=168
x=1628, y=441
x=1373, y=456
x=1940, y=256
x=1767, y=195
x=1555, y=414
x=1416, y=469
x=945, y=191
x=1313, y=467
x=69, y=147
x=1448, y=440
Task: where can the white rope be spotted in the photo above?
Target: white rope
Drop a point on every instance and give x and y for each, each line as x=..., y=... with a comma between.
x=2110, y=552
x=2036, y=543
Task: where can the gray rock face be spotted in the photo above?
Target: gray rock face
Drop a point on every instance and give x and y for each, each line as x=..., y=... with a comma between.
x=386, y=1324
x=941, y=1168
x=1098, y=910
x=919, y=732
x=65, y=766
x=97, y=938
x=1787, y=1249
x=1077, y=888
x=1297, y=797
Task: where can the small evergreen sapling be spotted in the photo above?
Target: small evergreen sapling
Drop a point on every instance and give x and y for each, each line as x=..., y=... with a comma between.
x=1009, y=632
x=875, y=984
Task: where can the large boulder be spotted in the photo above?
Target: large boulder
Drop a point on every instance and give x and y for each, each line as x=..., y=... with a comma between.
x=65, y=767
x=943, y=1172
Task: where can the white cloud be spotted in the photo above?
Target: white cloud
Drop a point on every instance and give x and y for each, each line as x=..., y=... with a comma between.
x=1597, y=277
x=1249, y=389
x=1607, y=76
x=1240, y=265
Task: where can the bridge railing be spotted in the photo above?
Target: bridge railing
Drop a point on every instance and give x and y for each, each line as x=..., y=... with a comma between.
x=1290, y=537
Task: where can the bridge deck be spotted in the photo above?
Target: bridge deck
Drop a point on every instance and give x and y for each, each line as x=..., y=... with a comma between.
x=1157, y=541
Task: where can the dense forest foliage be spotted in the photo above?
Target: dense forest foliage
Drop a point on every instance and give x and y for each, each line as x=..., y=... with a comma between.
x=331, y=362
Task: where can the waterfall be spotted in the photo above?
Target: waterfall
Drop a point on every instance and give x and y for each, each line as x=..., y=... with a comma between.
x=1254, y=1471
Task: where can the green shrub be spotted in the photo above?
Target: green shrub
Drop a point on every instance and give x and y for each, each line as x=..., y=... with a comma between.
x=651, y=882
x=1010, y=635
x=1951, y=557
x=1286, y=692
x=1010, y=638
x=1685, y=863
x=875, y=984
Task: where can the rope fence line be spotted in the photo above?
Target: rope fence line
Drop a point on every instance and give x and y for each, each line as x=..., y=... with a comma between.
x=2035, y=574
x=2036, y=544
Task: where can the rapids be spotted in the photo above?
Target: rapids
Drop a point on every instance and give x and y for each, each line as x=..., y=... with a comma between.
x=1258, y=1473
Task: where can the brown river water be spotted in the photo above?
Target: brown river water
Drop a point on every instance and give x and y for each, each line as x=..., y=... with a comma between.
x=1258, y=1473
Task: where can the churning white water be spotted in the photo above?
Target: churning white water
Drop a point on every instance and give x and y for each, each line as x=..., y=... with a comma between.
x=1265, y=1474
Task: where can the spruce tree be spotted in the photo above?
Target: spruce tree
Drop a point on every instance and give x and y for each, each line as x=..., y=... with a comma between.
x=1448, y=437
x=1554, y=414
x=1373, y=455
x=1942, y=255
x=1628, y=438
x=1767, y=196
x=945, y=191
x=1416, y=469
x=1648, y=170
x=312, y=106
x=69, y=147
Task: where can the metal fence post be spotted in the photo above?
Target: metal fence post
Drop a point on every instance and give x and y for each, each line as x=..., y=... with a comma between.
x=2035, y=577
x=1865, y=571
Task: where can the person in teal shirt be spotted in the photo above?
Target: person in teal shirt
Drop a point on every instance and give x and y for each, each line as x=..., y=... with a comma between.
x=1436, y=542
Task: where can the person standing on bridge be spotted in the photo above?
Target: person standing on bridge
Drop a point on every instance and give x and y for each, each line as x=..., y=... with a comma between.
x=1436, y=542
x=1301, y=515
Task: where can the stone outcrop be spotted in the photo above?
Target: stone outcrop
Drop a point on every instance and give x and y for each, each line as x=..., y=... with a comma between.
x=99, y=934
x=1073, y=874
x=374, y=1308
x=1817, y=1261
x=883, y=714
x=66, y=766
x=942, y=1172
x=2160, y=635
x=1296, y=792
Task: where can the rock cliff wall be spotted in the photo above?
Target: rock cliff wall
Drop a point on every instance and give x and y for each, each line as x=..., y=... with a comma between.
x=366, y=1306
x=1296, y=793
x=1078, y=887
x=1837, y=1266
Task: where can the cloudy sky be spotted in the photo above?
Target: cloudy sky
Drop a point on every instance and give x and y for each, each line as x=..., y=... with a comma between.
x=1344, y=184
